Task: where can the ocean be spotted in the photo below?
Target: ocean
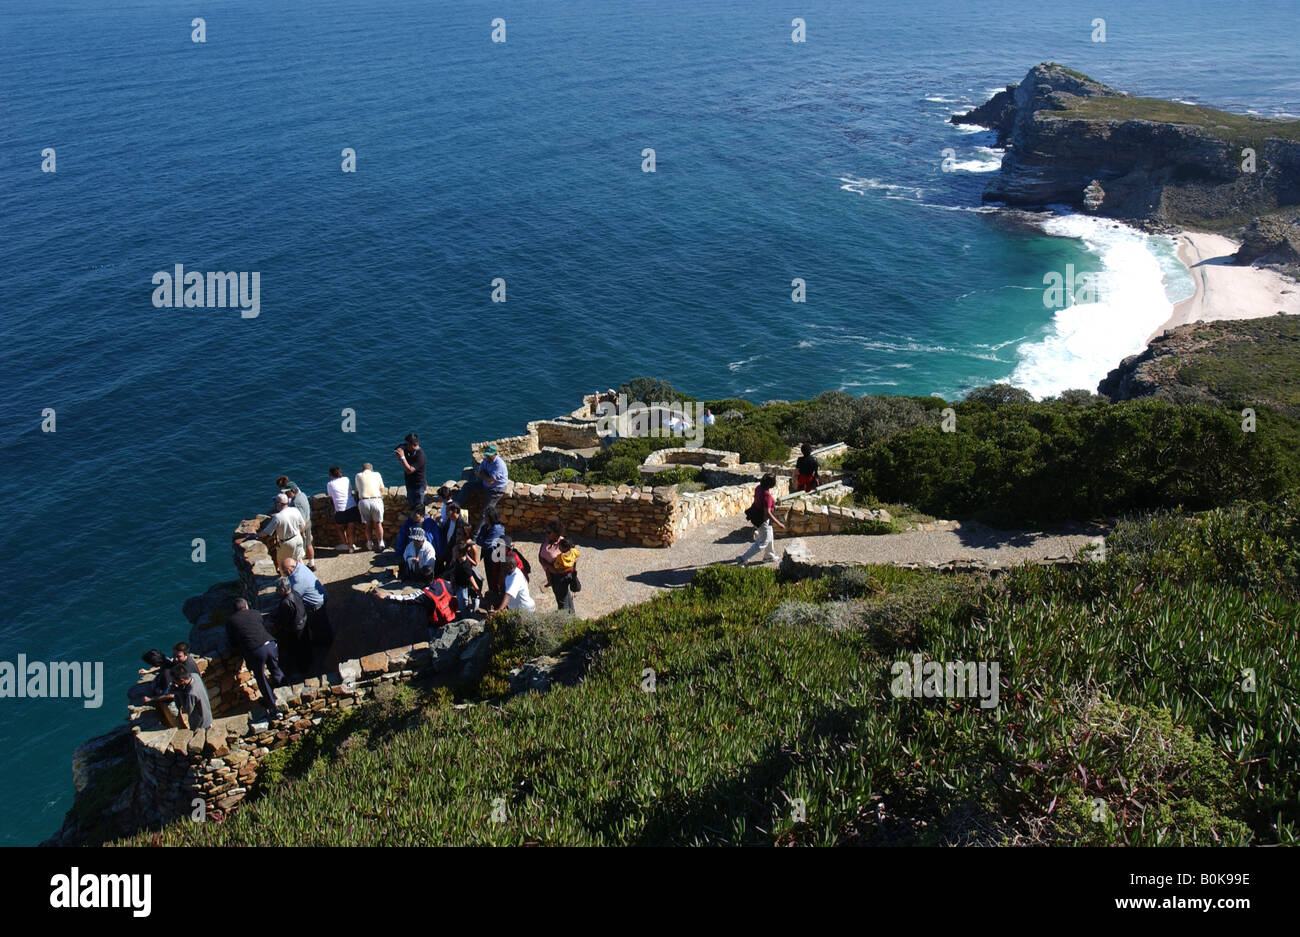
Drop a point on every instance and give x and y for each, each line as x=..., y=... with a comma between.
x=520, y=161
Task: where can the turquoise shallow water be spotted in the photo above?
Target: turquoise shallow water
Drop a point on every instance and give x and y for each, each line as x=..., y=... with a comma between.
x=477, y=161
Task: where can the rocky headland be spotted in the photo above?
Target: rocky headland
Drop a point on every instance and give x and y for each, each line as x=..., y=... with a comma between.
x=1153, y=162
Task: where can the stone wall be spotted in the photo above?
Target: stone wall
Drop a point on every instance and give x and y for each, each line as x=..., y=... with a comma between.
x=508, y=447
x=640, y=516
x=688, y=455
x=804, y=517
x=219, y=764
x=565, y=435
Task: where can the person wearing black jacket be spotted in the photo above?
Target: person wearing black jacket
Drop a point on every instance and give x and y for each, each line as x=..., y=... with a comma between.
x=249, y=637
x=290, y=627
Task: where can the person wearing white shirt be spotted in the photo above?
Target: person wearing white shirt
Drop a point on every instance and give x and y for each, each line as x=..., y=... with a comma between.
x=516, y=595
x=419, y=553
x=346, y=512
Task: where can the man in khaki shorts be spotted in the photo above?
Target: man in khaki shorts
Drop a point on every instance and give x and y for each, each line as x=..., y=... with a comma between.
x=286, y=522
x=370, y=502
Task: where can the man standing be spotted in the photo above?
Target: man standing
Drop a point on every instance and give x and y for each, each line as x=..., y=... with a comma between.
x=192, y=703
x=304, y=582
x=806, y=469
x=286, y=522
x=303, y=504
x=345, y=508
x=490, y=478
x=290, y=625
x=370, y=504
x=447, y=532
x=412, y=458
x=261, y=654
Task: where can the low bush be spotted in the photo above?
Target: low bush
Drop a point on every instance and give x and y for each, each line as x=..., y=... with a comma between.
x=1017, y=464
x=678, y=475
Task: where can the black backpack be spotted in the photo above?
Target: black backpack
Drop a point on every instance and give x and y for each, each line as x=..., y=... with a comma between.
x=756, y=514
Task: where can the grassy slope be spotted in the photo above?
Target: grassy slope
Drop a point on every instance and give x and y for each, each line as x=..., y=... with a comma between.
x=1252, y=362
x=1122, y=718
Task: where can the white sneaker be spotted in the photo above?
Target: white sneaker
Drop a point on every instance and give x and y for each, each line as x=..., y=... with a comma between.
x=382, y=546
x=370, y=545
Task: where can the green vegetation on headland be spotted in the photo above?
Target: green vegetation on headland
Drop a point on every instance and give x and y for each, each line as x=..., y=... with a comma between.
x=1240, y=129
x=1145, y=700
x=1011, y=461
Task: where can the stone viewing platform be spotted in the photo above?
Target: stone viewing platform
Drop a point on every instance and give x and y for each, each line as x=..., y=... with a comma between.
x=636, y=541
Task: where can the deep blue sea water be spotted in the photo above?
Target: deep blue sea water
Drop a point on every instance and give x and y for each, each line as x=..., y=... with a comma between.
x=476, y=160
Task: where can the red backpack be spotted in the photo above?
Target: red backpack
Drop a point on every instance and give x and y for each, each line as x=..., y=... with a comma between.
x=443, y=607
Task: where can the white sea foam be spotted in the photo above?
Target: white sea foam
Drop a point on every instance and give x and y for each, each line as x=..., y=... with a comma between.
x=948, y=98
x=862, y=186
x=989, y=160
x=739, y=365
x=978, y=209
x=1088, y=339
x=806, y=344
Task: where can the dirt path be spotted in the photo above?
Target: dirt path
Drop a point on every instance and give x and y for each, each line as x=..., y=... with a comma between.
x=615, y=574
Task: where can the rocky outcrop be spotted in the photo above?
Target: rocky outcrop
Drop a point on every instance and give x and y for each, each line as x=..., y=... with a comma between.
x=1274, y=240
x=997, y=113
x=1246, y=362
x=1156, y=161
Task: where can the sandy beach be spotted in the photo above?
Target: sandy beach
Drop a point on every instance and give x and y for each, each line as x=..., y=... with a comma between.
x=1227, y=291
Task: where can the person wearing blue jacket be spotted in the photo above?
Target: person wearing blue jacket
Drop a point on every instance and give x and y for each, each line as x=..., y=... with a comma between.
x=432, y=533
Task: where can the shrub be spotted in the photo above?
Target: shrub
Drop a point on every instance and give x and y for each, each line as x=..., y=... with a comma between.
x=525, y=473
x=624, y=470
x=562, y=476
x=649, y=390
x=754, y=441
x=996, y=395
x=678, y=475
x=1042, y=462
x=1078, y=398
x=859, y=421
x=1185, y=786
x=871, y=527
x=737, y=407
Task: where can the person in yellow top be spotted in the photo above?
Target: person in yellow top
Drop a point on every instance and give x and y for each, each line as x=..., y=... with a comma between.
x=567, y=561
x=370, y=504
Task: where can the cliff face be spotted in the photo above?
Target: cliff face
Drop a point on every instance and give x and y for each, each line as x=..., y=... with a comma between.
x=1156, y=160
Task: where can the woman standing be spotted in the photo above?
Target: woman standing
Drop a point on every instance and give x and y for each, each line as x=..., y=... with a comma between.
x=465, y=579
x=556, y=579
x=761, y=515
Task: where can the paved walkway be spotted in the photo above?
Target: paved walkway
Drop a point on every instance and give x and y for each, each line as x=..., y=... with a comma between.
x=615, y=574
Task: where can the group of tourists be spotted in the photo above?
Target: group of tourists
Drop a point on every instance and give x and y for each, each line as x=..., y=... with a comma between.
x=436, y=550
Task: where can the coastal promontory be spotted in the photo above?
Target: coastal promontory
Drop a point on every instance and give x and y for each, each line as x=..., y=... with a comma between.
x=1156, y=161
